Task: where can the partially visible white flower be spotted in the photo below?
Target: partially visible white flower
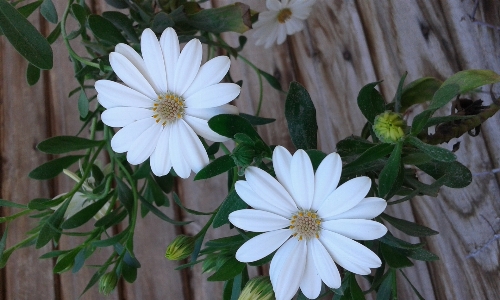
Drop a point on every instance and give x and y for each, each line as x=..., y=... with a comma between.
x=285, y=17
x=166, y=102
x=310, y=221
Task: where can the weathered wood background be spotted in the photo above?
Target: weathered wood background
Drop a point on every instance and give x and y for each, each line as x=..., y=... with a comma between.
x=345, y=45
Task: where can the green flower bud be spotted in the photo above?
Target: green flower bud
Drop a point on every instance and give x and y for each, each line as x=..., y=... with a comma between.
x=389, y=127
x=258, y=288
x=107, y=283
x=243, y=155
x=209, y=264
x=180, y=248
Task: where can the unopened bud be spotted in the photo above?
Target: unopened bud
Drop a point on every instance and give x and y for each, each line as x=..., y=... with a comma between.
x=389, y=127
x=180, y=248
x=107, y=283
x=258, y=288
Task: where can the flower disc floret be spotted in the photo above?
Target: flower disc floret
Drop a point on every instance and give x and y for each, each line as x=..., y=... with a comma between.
x=305, y=224
x=168, y=108
x=284, y=15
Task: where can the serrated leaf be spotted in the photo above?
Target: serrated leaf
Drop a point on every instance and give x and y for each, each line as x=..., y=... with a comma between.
x=216, y=167
x=389, y=174
x=64, y=144
x=105, y=30
x=25, y=37
x=437, y=153
x=300, y=114
x=52, y=168
x=370, y=101
x=232, y=203
x=408, y=227
x=48, y=11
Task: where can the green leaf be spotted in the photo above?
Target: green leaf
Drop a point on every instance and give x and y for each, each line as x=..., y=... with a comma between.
x=155, y=193
x=111, y=241
x=393, y=241
x=399, y=93
x=191, y=211
x=301, y=117
x=394, y=257
x=421, y=254
x=84, y=215
x=54, y=34
x=43, y=203
x=28, y=9
x=52, y=168
x=160, y=214
x=80, y=14
x=454, y=175
x=316, y=157
x=166, y=182
x=24, y=37
x=229, y=125
x=370, y=101
x=228, y=270
x=3, y=241
x=118, y=3
x=255, y=121
x=161, y=21
x=353, y=145
x=129, y=273
x=125, y=195
x=460, y=83
x=7, y=203
x=32, y=74
x=216, y=167
x=83, y=104
x=50, y=228
x=105, y=30
x=122, y=22
x=437, y=153
x=412, y=287
x=356, y=292
x=232, y=203
x=111, y=219
x=420, y=120
x=66, y=261
x=419, y=91
x=63, y=144
x=408, y=227
x=377, y=151
x=48, y=11
x=385, y=290
x=445, y=119
x=233, y=17
x=273, y=81
x=391, y=171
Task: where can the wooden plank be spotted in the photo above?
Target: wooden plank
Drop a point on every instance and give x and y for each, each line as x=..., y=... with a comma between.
x=22, y=107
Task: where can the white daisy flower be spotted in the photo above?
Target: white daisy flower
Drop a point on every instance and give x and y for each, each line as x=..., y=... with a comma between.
x=285, y=17
x=309, y=220
x=168, y=100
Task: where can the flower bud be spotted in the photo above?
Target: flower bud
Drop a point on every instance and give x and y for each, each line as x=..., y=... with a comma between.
x=389, y=127
x=258, y=288
x=180, y=248
x=243, y=155
x=107, y=283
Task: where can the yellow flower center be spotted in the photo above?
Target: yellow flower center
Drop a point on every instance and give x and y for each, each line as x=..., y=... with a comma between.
x=284, y=15
x=305, y=224
x=169, y=108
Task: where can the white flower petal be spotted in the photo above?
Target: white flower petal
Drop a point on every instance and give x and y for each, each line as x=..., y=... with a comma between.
x=269, y=188
x=325, y=266
x=202, y=129
x=153, y=58
x=310, y=284
x=169, y=43
x=181, y=167
x=144, y=145
x=326, y=178
x=288, y=277
x=187, y=67
x=294, y=25
x=273, y=35
x=208, y=113
x=251, y=198
x=282, y=159
x=351, y=255
x=125, y=137
x=214, y=95
x=257, y=220
x=129, y=74
x=345, y=197
x=136, y=60
x=273, y=4
x=356, y=229
x=212, y=72
x=122, y=116
x=160, y=159
x=281, y=34
x=112, y=94
x=281, y=257
x=368, y=208
x=76, y=204
x=262, y=245
x=302, y=179
x=194, y=152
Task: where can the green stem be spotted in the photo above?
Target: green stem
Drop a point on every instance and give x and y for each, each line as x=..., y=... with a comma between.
x=224, y=149
x=133, y=214
x=261, y=90
x=14, y=216
x=205, y=228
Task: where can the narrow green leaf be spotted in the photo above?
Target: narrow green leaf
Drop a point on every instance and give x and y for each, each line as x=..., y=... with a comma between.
x=52, y=168
x=3, y=241
x=421, y=254
x=191, y=211
x=48, y=11
x=460, y=83
x=408, y=227
x=255, y=121
x=234, y=17
x=50, y=229
x=385, y=290
x=111, y=241
x=412, y=287
x=111, y=219
x=84, y=215
x=377, y=151
x=83, y=104
x=420, y=120
x=394, y=257
x=370, y=101
x=160, y=214
x=44, y=203
x=7, y=203
x=419, y=91
x=28, y=9
x=105, y=30
x=24, y=37
x=216, y=167
x=232, y=203
x=353, y=145
x=356, y=292
x=228, y=270
x=166, y=182
x=53, y=254
x=63, y=144
x=388, y=175
x=66, y=261
x=121, y=4
x=229, y=125
x=54, y=34
x=393, y=241
x=399, y=93
x=129, y=273
x=32, y=74
x=437, y=153
x=122, y=22
x=316, y=157
x=125, y=195
x=454, y=175
x=301, y=117
x=273, y=81
x=95, y=278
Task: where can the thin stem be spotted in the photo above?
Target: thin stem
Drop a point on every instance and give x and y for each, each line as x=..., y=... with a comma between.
x=133, y=215
x=224, y=149
x=261, y=90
